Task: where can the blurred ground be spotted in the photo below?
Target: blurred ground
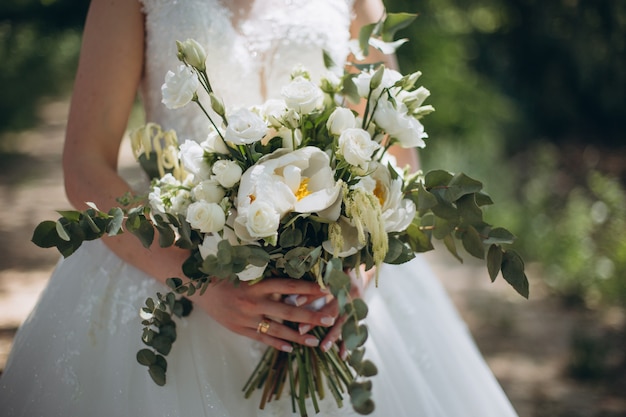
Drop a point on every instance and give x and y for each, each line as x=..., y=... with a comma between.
x=529, y=345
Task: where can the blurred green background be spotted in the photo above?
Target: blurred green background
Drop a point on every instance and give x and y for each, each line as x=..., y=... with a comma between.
x=530, y=98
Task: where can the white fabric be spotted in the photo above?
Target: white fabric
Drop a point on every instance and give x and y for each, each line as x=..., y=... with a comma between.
x=75, y=355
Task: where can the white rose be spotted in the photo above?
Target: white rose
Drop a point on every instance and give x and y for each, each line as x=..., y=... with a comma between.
x=263, y=220
x=244, y=127
x=192, y=157
x=180, y=87
x=227, y=173
x=209, y=191
x=206, y=217
x=340, y=119
x=357, y=147
x=214, y=143
x=302, y=95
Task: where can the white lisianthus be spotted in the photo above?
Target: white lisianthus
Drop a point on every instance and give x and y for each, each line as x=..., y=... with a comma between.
x=155, y=200
x=399, y=124
x=214, y=143
x=363, y=80
x=227, y=172
x=263, y=221
x=302, y=95
x=180, y=87
x=356, y=146
x=209, y=191
x=274, y=111
x=340, y=119
x=192, y=157
x=191, y=52
x=206, y=217
x=179, y=202
x=244, y=127
x=209, y=247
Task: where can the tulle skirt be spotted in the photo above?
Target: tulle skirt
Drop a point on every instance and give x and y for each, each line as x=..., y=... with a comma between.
x=75, y=354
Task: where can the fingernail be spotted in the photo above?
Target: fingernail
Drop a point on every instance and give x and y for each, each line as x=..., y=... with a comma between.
x=311, y=341
x=304, y=328
x=327, y=321
x=301, y=300
x=326, y=346
x=286, y=348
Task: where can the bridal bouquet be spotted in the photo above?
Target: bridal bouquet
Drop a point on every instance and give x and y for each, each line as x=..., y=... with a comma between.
x=300, y=187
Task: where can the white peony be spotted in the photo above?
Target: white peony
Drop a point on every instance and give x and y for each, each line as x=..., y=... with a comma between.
x=180, y=87
x=302, y=95
x=340, y=119
x=227, y=172
x=206, y=217
x=244, y=127
x=299, y=181
x=356, y=146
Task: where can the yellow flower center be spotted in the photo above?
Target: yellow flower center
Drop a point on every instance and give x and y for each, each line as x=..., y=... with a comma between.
x=303, y=189
x=252, y=197
x=379, y=192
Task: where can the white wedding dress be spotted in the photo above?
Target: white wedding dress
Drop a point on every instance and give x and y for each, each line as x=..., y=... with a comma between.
x=75, y=354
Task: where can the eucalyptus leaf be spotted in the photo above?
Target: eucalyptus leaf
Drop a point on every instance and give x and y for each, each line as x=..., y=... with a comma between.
x=425, y=199
x=494, y=261
x=395, y=22
x=473, y=243
x=461, y=185
x=45, y=234
x=437, y=178
x=500, y=235
x=368, y=369
x=360, y=308
x=158, y=374
x=146, y=357
x=364, y=36
x=469, y=210
x=61, y=232
x=71, y=215
x=115, y=226
x=162, y=344
x=450, y=244
x=513, y=272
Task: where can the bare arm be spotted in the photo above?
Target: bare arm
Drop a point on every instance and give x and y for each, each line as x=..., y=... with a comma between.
x=109, y=72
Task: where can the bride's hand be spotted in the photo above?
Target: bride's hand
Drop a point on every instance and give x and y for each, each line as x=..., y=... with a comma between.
x=357, y=289
x=256, y=311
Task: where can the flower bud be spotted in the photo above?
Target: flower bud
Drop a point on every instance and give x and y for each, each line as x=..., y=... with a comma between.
x=192, y=53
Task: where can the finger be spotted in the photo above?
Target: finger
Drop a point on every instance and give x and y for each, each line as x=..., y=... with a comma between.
x=276, y=334
x=288, y=286
x=333, y=334
x=285, y=312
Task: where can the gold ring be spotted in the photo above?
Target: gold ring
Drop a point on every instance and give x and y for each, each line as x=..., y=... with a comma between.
x=263, y=327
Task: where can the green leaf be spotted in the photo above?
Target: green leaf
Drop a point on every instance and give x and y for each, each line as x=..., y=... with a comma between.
x=166, y=236
x=138, y=225
x=377, y=78
x=290, y=238
x=494, y=261
x=162, y=344
x=469, y=210
x=71, y=215
x=418, y=240
x=328, y=61
x=45, y=234
x=442, y=228
x=473, y=243
x=483, y=199
x=146, y=357
x=513, y=272
x=360, y=308
x=425, y=199
x=353, y=335
x=451, y=246
x=395, y=22
x=367, y=369
x=356, y=357
x=158, y=374
x=115, y=226
x=500, y=235
x=349, y=90
x=61, y=232
x=364, y=36
x=461, y=185
x=437, y=178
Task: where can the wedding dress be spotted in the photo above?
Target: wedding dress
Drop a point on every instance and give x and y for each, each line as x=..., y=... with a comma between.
x=75, y=354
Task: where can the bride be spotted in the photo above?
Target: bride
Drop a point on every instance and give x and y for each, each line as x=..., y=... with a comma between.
x=74, y=356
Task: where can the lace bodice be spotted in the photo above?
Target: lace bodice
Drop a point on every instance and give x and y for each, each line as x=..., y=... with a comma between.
x=250, y=53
